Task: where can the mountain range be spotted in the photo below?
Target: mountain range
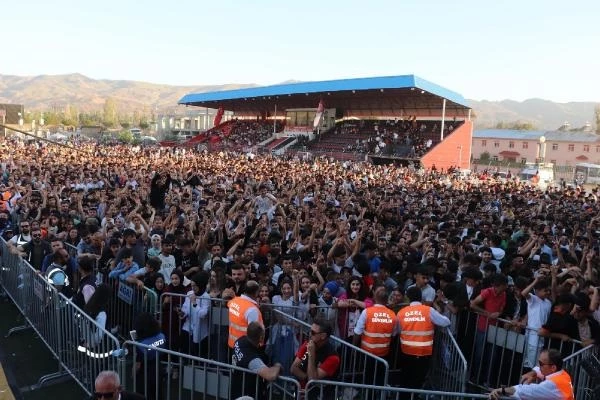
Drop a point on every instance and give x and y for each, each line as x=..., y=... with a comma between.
x=55, y=92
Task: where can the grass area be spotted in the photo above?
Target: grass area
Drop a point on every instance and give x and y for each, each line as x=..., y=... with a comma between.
x=25, y=359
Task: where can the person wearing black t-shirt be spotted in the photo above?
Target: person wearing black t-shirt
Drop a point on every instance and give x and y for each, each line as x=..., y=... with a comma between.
x=248, y=353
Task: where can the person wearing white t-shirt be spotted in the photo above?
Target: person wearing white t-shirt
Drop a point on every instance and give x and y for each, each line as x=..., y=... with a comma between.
x=167, y=260
x=538, y=310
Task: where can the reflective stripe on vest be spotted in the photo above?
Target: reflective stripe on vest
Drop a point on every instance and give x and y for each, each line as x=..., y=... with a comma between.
x=416, y=330
x=562, y=380
x=238, y=325
x=379, y=325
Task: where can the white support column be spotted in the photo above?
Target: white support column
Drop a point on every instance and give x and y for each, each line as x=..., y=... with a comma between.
x=469, y=117
x=443, y=120
x=206, y=119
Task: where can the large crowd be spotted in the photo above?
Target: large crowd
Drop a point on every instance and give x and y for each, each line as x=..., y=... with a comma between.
x=312, y=235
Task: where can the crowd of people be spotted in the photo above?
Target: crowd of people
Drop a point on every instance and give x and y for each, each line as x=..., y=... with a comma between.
x=332, y=239
x=398, y=137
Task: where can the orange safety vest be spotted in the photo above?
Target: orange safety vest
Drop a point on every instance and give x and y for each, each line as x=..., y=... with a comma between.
x=416, y=330
x=379, y=326
x=238, y=306
x=562, y=380
x=4, y=199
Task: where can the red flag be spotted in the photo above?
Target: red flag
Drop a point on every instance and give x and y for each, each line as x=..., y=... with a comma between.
x=219, y=116
x=319, y=114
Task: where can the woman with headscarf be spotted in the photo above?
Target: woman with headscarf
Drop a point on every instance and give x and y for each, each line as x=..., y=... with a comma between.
x=171, y=322
x=194, y=313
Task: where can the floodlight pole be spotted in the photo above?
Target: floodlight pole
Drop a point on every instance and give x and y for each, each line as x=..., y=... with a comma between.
x=443, y=120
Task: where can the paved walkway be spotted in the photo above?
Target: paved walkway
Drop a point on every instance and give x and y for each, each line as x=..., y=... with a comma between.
x=24, y=358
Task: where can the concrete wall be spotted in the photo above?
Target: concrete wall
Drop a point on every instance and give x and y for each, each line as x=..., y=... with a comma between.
x=454, y=150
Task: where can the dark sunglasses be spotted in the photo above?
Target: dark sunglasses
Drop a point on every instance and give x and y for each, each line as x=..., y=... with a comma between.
x=37, y=235
x=107, y=395
x=313, y=333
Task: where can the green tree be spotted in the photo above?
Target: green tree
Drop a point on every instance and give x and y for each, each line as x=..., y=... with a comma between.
x=125, y=136
x=485, y=156
x=597, y=114
x=70, y=116
x=125, y=124
x=110, y=113
x=144, y=124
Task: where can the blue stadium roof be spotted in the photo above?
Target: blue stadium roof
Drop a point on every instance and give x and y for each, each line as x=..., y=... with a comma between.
x=357, y=93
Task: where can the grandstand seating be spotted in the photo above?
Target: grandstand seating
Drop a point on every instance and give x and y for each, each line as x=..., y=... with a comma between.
x=409, y=138
x=237, y=134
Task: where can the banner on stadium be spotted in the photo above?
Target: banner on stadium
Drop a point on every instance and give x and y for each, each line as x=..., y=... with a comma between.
x=319, y=114
x=219, y=116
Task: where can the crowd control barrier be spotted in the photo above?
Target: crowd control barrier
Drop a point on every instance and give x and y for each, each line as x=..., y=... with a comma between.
x=323, y=389
x=81, y=347
x=448, y=370
x=584, y=368
x=498, y=353
x=126, y=302
x=357, y=365
x=161, y=374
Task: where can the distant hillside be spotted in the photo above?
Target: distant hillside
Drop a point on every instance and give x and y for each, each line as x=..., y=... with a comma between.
x=543, y=114
x=47, y=92
x=56, y=91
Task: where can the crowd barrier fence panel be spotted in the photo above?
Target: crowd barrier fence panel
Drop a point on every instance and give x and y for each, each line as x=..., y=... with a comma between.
x=584, y=368
x=323, y=389
x=284, y=335
x=357, y=365
x=500, y=353
x=217, y=323
x=126, y=302
x=81, y=347
x=170, y=375
x=448, y=370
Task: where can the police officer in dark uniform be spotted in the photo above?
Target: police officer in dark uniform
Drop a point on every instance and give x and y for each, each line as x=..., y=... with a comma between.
x=248, y=353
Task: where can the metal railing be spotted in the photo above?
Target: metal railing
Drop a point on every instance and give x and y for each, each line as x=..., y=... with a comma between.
x=324, y=389
x=498, y=352
x=81, y=347
x=164, y=374
x=584, y=368
x=126, y=302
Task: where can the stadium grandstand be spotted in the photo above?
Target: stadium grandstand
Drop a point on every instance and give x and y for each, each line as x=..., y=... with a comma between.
x=397, y=119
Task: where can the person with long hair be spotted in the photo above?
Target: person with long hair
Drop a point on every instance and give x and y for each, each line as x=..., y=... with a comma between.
x=282, y=341
x=218, y=280
x=350, y=305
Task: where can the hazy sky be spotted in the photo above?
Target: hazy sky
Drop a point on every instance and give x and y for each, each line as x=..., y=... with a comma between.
x=481, y=49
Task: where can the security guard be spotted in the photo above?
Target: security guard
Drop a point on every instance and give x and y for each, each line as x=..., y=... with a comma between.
x=553, y=382
x=374, y=330
x=417, y=323
x=243, y=310
x=248, y=353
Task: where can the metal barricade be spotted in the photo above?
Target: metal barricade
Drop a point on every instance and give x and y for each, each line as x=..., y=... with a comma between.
x=71, y=249
x=282, y=335
x=81, y=347
x=584, y=368
x=448, y=370
x=163, y=374
x=499, y=353
x=323, y=389
x=357, y=365
x=126, y=302
x=85, y=347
